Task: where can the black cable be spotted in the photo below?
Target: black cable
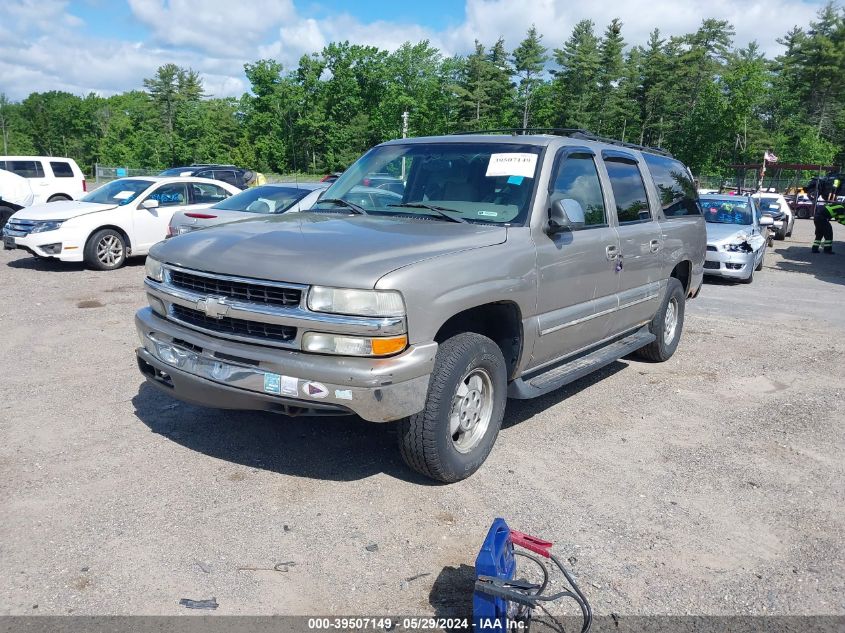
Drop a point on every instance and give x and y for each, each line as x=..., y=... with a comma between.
x=581, y=599
x=542, y=567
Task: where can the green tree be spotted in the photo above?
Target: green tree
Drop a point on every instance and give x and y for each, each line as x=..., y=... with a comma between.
x=529, y=59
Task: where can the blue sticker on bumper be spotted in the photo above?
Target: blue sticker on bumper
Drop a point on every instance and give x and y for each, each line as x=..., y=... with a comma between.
x=272, y=383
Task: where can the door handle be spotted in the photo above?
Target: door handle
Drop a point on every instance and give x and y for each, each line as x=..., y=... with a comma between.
x=654, y=246
x=611, y=252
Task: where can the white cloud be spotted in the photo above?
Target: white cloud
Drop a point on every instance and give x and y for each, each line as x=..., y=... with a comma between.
x=43, y=46
x=215, y=26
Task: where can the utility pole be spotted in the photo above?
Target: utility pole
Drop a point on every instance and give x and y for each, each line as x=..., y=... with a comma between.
x=404, y=135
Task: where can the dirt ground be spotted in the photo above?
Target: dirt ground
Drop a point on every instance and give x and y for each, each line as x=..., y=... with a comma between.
x=710, y=484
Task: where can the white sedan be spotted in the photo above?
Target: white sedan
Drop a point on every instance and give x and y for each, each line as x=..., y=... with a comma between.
x=120, y=219
x=775, y=204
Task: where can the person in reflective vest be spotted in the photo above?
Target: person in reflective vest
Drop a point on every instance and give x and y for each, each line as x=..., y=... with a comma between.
x=824, y=229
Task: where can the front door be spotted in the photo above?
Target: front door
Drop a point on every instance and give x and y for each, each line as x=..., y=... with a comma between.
x=578, y=280
x=151, y=224
x=639, y=240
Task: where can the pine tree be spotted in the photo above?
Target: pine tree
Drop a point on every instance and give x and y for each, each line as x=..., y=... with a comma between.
x=529, y=58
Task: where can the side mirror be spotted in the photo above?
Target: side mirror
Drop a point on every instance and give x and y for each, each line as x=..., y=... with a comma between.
x=149, y=203
x=564, y=214
x=766, y=220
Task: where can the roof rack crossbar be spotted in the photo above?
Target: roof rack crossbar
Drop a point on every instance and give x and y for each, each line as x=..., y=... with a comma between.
x=573, y=132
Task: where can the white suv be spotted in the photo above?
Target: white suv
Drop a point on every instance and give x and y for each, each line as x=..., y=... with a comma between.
x=51, y=178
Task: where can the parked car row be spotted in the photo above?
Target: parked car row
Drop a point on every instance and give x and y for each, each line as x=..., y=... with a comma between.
x=125, y=217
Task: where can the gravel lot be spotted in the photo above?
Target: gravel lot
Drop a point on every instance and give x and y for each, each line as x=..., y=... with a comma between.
x=711, y=484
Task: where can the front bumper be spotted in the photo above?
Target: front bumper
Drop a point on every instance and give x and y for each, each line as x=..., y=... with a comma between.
x=64, y=244
x=729, y=264
x=229, y=375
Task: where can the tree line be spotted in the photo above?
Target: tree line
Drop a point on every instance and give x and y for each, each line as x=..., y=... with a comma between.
x=698, y=95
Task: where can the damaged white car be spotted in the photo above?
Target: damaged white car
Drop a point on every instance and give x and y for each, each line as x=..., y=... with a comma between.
x=737, y=236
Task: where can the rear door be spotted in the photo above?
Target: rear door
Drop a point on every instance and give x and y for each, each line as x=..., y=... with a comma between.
x=578, y=281
x=639, y=239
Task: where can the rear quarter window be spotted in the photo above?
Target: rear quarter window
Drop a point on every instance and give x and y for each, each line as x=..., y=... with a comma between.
x=25, y=168
x=61, y=169
x=678, y=194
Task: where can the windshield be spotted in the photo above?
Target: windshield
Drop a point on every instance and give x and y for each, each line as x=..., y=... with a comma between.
x=118, y=192
x=487, y=183
x=264, y=199
x=727, y=211
x=769, y=204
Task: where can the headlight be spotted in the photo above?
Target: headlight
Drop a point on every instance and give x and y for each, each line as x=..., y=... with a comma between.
x=153, y=268
x=378, y=303
x=46, y=225
x=320, y=343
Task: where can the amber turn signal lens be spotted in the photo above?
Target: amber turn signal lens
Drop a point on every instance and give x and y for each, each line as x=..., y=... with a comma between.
x=387, y=346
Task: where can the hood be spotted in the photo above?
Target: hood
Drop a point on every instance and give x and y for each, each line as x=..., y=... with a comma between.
x=61, y=210
x=310, y=248
x=727, y=232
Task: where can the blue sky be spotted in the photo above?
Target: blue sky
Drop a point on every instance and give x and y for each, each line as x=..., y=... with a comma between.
x=108, y=46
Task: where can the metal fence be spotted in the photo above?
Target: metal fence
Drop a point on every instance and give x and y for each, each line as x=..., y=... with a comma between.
x=104, y=174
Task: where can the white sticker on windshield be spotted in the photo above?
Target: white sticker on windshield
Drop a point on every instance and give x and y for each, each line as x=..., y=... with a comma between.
x=123, y=195
x=512, y=164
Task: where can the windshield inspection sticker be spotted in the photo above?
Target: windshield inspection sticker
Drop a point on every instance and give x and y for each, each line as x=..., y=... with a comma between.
x=512, y=164
x=123, y=195
x=490, y=214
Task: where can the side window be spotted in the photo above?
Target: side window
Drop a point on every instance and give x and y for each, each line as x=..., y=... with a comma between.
x=205, y=174
x=61, y=169
x=204, y=193
x=678, y=195
x=578, y=179
x=226, y=176
x=628, y=191
x=25, y=168
x=170, y=195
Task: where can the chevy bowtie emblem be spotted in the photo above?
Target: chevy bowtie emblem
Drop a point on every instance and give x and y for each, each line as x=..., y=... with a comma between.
x=213, y=307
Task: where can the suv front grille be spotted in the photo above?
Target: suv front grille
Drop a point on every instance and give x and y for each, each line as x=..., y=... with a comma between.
x=238, y=327
x=238, y=290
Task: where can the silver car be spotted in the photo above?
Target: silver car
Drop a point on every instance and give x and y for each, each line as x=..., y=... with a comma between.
x=737, y=236
x=256, y=202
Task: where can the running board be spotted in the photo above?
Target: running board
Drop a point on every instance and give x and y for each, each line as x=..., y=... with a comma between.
x=560, y=375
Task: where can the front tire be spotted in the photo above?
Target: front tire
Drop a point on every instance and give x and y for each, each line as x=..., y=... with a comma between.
x=59, y=197
x=667, y=324
x=105, y=250
x=453, y=435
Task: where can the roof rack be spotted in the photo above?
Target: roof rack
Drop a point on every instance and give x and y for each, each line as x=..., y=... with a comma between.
x=572, y=132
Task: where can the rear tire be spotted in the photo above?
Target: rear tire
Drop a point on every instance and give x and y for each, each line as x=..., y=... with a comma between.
x=59, y=197
x=453, y=435
x=667, y=325
x=105, y=250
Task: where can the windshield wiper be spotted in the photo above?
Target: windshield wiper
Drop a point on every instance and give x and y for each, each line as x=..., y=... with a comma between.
x=440, y=211
x=349, y=205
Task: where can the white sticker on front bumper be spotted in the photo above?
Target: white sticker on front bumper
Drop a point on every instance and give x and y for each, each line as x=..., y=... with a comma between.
x=343, y=394
x=290, y=386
